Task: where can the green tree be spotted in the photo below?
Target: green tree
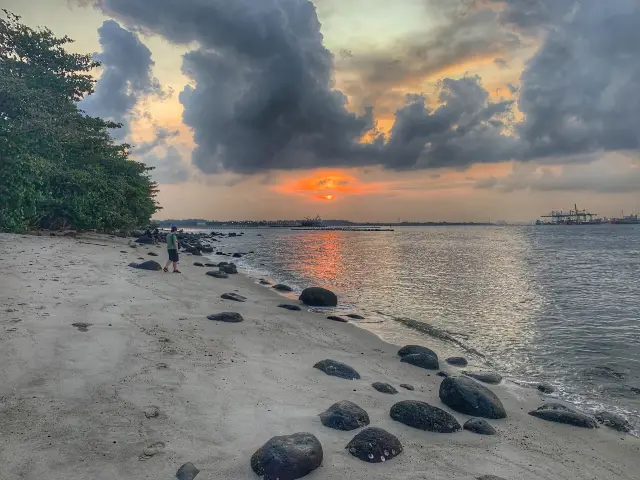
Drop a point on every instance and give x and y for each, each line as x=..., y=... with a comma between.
x=58, y=166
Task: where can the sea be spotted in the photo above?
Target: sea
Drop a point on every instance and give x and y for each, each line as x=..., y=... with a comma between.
x=538, y=304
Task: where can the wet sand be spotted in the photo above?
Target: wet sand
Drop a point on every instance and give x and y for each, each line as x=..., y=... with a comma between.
x=152, y=384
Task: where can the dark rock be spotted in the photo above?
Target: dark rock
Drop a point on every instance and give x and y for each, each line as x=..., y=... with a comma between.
x=222, y=264
x=479, y=426
x=230, y=269
x=374, y=445
x=264, y=282
x=337, y=369
x=227, y=317
x=220, y=253
x=355, y=316
x=442, y=374
x=457, y=361
x=407, y=386
x=152, y=254
x=614, y=421
x=335, y=318
x=283, y=288
x=287, y=457
x=81, y=326
x=188, y=471
x=554, y=412
x=210, y=265
x=384, y=388
x=421, y=360
x=198, y=264
x=237, y=255
x=144, y=240
x=492, y=378
x=423, y=416
x=293, y=308
x=344, y=416
x=207, y=249
x=465, y=395
x=489, y=477
x=319, y=297
x=416, y=350
x=148, y=265
x=217, y=274
x=233, y=296
x=546, y=388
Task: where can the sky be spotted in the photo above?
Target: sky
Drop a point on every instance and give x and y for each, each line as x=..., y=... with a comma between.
x=370, y=110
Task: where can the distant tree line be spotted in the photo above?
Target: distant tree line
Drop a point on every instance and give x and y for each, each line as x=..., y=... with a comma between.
x=60, y=168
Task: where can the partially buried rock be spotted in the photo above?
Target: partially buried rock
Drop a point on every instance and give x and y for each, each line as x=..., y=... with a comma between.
x=492, y=378
x=264, y=282
x=337, y=369
x=442, y=374
x=188, y=471
x=287, y=457
x=374, y=445
x=335, y=318
x=227, y=317
x=457, y=361
x=152, y=254
x=210, y=265
x=407, y=386
x=423, y=416
x=553, y=412
x=217, y=274
x=282, y=288
x=293, y=308
x=384, y=388
x=467, y=396
x=233, y=296
x=613, y=421
x=148, y=265
x=421, y=360
x=416, y=350
x=319, y=297
x=344, y=416
x=355, y=316
x=479, y=426
x=198, y=264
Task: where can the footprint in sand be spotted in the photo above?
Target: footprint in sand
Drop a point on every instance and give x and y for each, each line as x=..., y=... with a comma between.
x=151, y=450
x=82, y=327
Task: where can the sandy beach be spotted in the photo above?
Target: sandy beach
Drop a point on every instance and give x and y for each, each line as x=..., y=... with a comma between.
x=150, y=384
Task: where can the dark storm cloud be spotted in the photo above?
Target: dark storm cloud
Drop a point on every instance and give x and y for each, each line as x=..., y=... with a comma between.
x=126, y=76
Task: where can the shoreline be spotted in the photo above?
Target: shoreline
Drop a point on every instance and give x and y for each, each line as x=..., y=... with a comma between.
x=75, y=403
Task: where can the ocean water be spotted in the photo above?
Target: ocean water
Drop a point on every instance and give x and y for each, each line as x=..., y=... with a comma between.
x=559, y=305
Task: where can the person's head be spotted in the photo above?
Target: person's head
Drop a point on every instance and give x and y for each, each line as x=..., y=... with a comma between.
x=174, y=228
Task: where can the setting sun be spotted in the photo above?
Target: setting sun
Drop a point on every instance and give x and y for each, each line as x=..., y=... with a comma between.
x=329, y=197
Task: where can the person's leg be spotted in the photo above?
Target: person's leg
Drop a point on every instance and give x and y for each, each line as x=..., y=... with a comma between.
x=175, y=267
x=166, y=265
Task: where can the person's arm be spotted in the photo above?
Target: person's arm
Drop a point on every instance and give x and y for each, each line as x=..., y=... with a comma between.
x=175, y=242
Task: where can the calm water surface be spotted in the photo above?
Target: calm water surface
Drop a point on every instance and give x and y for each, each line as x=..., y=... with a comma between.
x=554, y=304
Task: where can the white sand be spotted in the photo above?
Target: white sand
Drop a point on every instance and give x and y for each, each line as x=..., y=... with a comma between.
x=72, y=403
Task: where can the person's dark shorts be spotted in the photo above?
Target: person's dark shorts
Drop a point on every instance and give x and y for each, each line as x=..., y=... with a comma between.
x=173, y=255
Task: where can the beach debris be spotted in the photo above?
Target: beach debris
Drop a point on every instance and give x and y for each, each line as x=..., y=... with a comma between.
x=384, y=388
x=558, y=413
x=416, y=350
x=81, y=326
x=152, y=412
x=492, y=378
x=457, y=361
x=233, y=296
x=423, y=416
x=227, y=317
x=336, y=318
x=198, y=264
x=282, y=288
x=217, y=274
x=319, y=297
x=337, y=369
x=151, y=450
x=422, y=360
x=467, y=396
x=374, y=445
x=611, y=420
x=407, y=386
x=148, y=265
x=479, y=426
x=188, y=471
x=546, y=388
x=287, y=457
x=152, y=254
x=230, y=269
x=355, y=316
x=344, y=416
x=293, y=308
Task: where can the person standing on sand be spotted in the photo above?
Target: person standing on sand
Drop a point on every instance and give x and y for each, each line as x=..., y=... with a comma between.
x=172, y=247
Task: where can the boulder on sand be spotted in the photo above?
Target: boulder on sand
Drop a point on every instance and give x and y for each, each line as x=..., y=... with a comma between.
x=407, y=386
x=282, y=288
x=293, y=308
x=336, y=318
x=198, y=264
x=318, y=297
x=337, y=369
x=479, y=426
x=148, y=265
x=233, y=296
x=465, y=395
x=217, y=274
x=415, y=350
x=558, y=413
x=423, y=416
x=457, y=361
x=613, y=421
x=188, y=471
x=422, y=360
x=287, y=457
x=384, y=388
x=492, y=378
x=355, y=316
x=230, y=269
x=344, y=416
x=227, y=317
x=374, y=445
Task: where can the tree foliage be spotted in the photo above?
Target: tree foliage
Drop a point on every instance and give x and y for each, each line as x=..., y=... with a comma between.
x=58, y=166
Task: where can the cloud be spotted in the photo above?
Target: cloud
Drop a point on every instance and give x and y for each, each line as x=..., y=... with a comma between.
x=168, y=168
x=162, y=135
x=126, y=76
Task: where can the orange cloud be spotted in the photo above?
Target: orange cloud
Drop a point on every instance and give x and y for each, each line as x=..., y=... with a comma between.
x=327, y=185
